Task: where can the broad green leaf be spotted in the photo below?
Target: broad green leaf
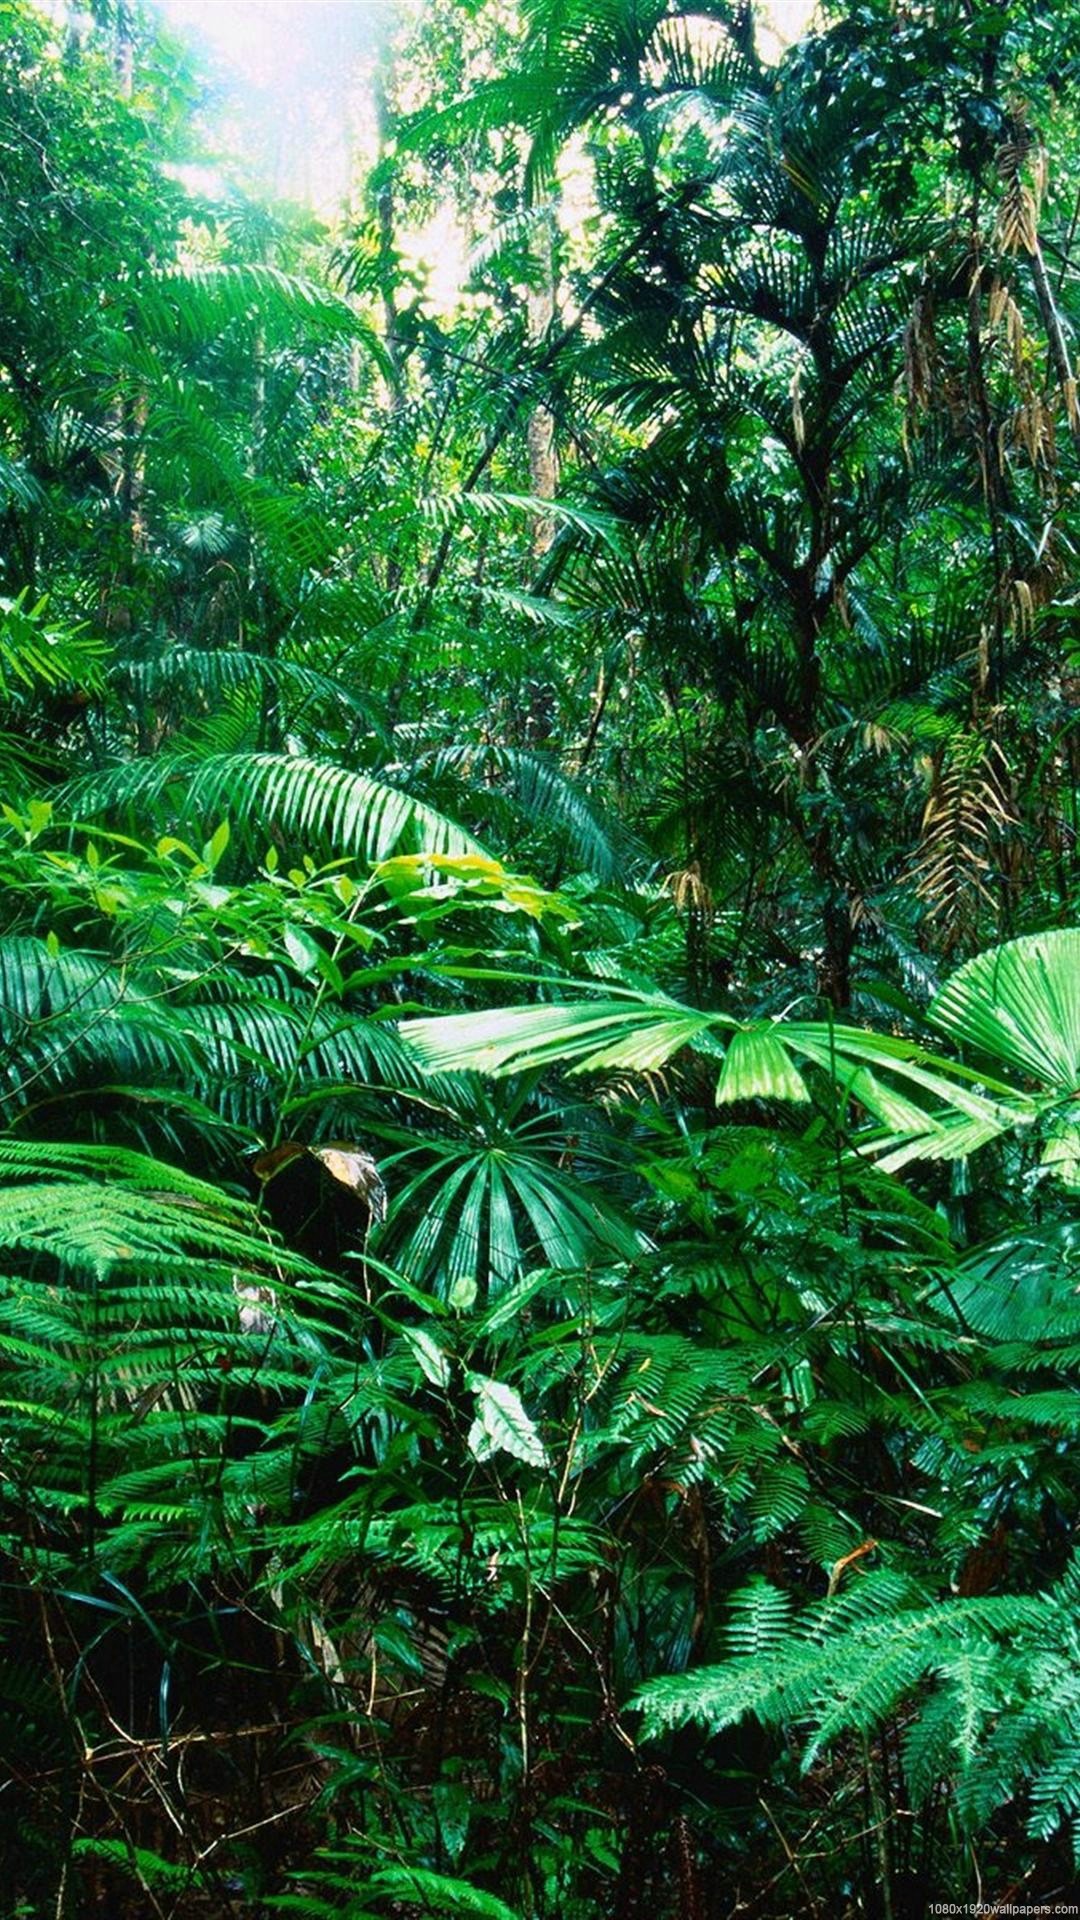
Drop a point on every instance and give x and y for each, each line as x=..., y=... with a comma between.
x=215, y=847
x=302, y=950
x=502, y=1423
x=430, y=1357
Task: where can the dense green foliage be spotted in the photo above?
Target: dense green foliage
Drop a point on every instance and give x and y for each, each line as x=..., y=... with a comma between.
x=539, y=978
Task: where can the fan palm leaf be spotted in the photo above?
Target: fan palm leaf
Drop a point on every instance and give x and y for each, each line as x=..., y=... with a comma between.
x=1018, y=1006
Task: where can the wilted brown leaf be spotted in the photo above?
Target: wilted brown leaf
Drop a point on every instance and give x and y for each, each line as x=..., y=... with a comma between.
x=350, y=1165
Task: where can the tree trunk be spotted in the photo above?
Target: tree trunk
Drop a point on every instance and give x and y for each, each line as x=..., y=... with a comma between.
x=384, y=215
x=540, y=432
x=124, y=49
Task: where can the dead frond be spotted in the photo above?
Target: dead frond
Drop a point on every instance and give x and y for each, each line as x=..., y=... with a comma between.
x=966, y=818
x=1021, y=165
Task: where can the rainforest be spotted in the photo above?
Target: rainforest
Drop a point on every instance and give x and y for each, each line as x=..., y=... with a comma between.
x=540, y=968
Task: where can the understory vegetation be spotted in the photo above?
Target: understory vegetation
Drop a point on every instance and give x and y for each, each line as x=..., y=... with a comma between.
x=540, y=975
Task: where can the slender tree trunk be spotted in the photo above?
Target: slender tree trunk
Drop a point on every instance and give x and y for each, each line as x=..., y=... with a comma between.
x=384, y=216
x=124, y=49
x=813, y=596
x=993, y=478
x=540, y=432
x=1055, y=337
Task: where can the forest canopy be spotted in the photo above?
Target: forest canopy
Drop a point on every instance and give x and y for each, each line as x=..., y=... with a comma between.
x=540, y=971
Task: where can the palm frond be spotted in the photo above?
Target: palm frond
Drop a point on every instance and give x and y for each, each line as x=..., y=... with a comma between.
x=190, y=305
x=309, y=804
x=547, y=796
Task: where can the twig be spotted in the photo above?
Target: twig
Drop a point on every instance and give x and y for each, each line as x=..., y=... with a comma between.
x=791, y=1858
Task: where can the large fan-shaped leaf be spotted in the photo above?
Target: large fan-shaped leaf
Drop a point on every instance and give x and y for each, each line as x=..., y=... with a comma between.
x=1020, y=1004
x=637, y=1031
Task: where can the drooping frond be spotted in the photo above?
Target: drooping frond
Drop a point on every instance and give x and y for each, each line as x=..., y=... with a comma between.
x=547, y=796
x=210, y=673
x=34, y=652
x=190, y=305
x=308, y=804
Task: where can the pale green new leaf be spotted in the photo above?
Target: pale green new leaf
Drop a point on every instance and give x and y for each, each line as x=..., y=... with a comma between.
x=758, y=1066
x=502, y=1424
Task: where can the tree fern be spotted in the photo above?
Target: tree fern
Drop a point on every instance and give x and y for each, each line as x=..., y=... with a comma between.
x=992, y=1683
